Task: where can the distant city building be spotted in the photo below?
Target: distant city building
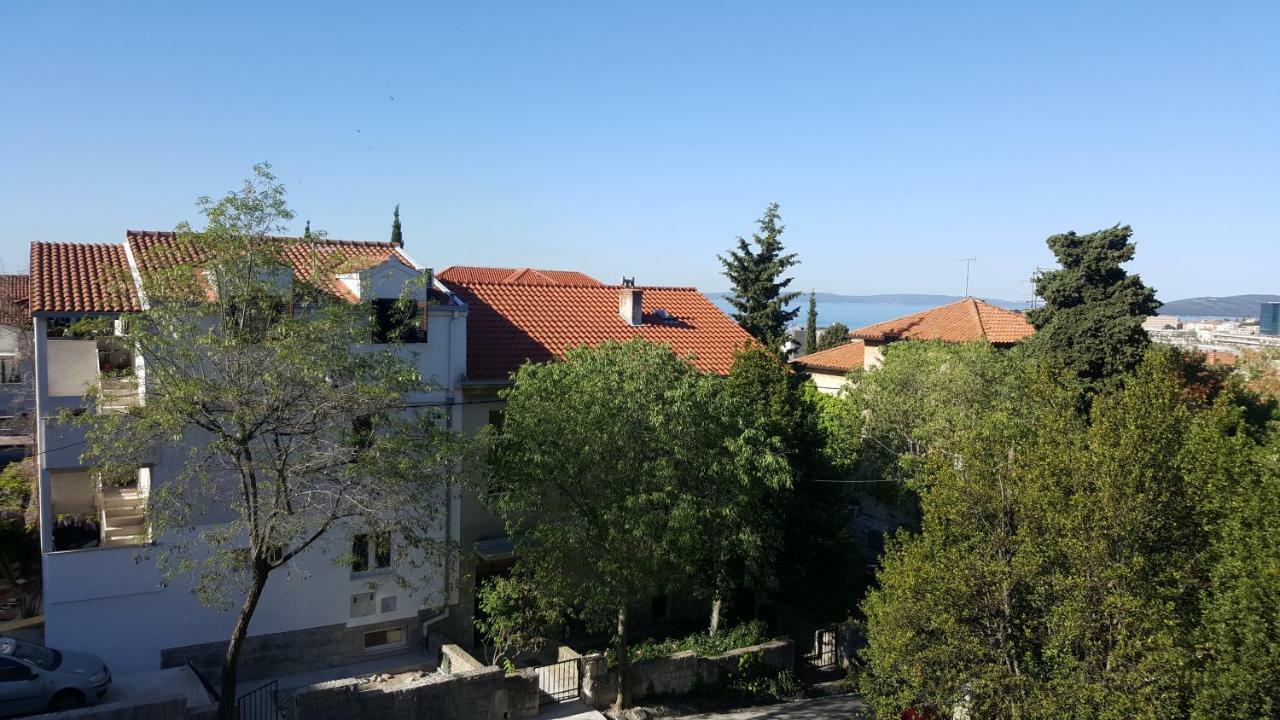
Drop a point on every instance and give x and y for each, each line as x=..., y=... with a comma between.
x=1162, y=322
x=1269, y=318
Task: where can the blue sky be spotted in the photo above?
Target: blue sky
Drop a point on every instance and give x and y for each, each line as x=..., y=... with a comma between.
x=641, y=138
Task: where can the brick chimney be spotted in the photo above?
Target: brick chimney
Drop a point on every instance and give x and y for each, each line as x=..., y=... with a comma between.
x=629, y=302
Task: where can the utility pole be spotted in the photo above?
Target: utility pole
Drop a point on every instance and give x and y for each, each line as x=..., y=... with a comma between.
x=1034, y=277
x=967, y=262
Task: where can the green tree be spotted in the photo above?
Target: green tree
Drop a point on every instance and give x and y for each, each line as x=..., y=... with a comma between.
x=397, y=237
x=514, y=618
x=1093, y=309
x=834, y=335
x=759, y=291
x=298, y=436
x=811, y=326
x=1059, y=562
x=598, y=473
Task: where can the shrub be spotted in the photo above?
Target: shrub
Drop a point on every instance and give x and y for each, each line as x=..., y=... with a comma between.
x=705, y=645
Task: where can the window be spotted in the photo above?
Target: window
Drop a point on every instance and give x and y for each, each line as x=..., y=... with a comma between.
x=497, y=418
x=384, y=639
x=362, y=432
x=12, y=670
x=10, y=372
x=366, y=555
x=399, y=321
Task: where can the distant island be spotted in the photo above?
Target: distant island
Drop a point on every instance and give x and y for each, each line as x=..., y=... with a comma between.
x=1229, y=306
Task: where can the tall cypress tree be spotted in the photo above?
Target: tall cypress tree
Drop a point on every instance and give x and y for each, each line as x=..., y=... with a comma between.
x=397, y=238
x=760, y=295
x=811, y=325
x=1093, y=309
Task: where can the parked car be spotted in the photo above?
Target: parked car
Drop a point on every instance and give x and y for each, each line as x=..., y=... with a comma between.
x=36, y=679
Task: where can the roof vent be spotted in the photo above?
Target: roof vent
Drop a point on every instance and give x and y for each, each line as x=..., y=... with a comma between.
x=628, y=282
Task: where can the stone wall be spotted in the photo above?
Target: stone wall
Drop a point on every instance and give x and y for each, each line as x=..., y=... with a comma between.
x=486, y=694
x=677, y=674
x=287, y=653
x=456, y=661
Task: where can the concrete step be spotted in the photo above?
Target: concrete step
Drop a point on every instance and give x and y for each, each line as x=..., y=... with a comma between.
x=120, y=540
x=133, y=518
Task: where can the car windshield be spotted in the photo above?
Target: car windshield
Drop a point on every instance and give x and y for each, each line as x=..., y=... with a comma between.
x=41, y=657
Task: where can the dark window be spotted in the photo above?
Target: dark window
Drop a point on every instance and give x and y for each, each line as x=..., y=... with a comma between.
x=497, y=418
x=362, y=432
x=399, y=321
x=11, y=670
x=360, y=553
x=658, y=608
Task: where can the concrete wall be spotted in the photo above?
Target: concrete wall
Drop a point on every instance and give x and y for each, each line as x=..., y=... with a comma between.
x=677, y=674
x=829, y=384
x=486, y=694
x=164, y=709
x=73, y=366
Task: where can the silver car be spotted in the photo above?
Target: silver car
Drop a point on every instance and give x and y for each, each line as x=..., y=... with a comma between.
x=34, y=678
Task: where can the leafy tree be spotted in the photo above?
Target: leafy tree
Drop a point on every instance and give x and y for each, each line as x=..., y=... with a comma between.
x=16, y=483
x=834, y=335
x=760, y=297
x=397, y=238
x=1058, y=569
x=294, y=434
x=1093, y=312
x=811, y=326
x=514, y=618
x=598, y=473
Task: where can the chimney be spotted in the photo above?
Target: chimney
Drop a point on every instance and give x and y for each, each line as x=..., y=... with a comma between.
x=629, y=302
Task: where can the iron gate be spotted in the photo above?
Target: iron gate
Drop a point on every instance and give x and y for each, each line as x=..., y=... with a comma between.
x=823, y=655
x=259, y=704
x=559, y=681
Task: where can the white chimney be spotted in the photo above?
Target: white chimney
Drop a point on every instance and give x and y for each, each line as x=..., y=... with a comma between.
x=629, y=302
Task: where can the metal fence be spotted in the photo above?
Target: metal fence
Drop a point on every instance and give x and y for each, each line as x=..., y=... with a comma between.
x=560, y=681
x=260, y=703
x=822, y=655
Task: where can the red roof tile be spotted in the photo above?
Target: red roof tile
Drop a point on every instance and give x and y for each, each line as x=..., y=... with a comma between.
x=81, y=277
x=15, y=308
x=509, y=324
x=961, y=321
x=515, y=276
x=838, y=360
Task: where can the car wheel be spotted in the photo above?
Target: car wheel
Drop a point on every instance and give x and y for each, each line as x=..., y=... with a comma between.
x=66, y=700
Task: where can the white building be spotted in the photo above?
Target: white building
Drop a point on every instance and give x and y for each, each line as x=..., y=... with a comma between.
x=102, y=593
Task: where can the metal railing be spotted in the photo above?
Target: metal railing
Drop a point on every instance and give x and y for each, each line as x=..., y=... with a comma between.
x=260, y=703
x=560, y=681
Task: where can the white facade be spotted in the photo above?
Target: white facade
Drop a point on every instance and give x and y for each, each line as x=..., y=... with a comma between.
x=107, y=597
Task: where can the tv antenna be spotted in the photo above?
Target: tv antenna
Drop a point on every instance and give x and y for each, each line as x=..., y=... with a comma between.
x=967, y=263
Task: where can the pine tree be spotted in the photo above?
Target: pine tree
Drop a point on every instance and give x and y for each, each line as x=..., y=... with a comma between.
x=760, y=297
x=397, y=238
x=1093, y=312
x=306, y=234
x=811, y=325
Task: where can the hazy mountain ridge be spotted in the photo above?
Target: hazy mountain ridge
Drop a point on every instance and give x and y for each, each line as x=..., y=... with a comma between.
x=1228, y=306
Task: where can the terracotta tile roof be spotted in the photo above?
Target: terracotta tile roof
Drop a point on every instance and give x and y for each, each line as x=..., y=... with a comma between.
x=1218, y=357
x=81, y=277
x=960, y=321
x=515, y=276
x=837, y=360
x=15, y=310
x=508, y=324
x=153, y=250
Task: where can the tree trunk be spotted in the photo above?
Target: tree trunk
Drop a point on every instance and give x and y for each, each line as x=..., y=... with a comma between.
x=227, y=704
x=716, y=606
x=620, y=702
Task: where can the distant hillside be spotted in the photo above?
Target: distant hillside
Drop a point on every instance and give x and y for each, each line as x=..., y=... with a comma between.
x=913, y=299
x=1230, y=306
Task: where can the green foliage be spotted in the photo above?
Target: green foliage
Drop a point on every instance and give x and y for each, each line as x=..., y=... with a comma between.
x=1092, y=317
x=16, y=486
x=811, y=326
x=759, y=290
x=704, y=644
x=754, y=680
x=1108, y=565
x=514, y=618
x=833, y=335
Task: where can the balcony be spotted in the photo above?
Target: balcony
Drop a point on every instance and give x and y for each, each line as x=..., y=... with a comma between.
x=89, y=514
x=77, y=365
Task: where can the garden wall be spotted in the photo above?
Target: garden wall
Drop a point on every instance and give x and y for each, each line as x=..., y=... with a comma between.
x=485, y=694
x=677, y=674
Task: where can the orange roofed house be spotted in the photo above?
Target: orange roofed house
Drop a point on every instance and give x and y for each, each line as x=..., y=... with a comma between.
x=519, y=315
x=965, y=320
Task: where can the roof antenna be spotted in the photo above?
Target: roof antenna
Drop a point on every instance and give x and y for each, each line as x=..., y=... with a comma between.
x=967, y=262
x=628, y=281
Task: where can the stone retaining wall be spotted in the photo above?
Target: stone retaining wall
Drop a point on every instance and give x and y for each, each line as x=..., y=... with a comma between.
x=162, y=709
x=676, y=674
x=486, y=694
